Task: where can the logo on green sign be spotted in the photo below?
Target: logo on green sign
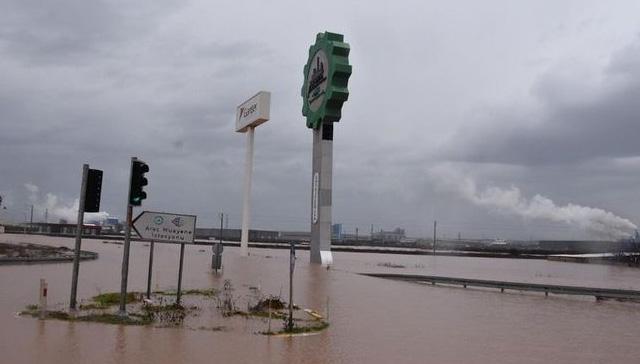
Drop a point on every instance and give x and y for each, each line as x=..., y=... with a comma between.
x=326, y=76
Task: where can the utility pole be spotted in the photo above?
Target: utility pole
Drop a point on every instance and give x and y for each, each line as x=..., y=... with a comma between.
x=31, y=219
x=46, y=216
x=356, y=234
x=435, y=224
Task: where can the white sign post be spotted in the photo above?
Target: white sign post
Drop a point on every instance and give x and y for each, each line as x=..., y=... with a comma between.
x=250, y=114
x=165, y=227
x=168, y=228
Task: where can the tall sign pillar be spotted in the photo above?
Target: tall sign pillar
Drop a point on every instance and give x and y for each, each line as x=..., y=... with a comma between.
x=324, y=91
x=250, y=114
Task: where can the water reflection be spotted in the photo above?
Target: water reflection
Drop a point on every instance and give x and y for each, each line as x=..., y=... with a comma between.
x=120, y=344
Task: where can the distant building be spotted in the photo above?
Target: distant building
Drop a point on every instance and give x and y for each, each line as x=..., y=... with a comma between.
x=234, y=234
x=394, y=236
x=64, y=229
x=337, y=232
x=111, y=225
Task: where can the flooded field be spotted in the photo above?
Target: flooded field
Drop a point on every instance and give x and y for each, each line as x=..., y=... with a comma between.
x=371, y=320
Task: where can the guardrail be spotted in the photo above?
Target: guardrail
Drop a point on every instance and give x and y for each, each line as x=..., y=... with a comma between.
x=598, y=293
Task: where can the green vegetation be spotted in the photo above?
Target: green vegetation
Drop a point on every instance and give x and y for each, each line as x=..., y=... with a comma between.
x=106, y=300
x=106, y=318
x=210, y=292
x=113, y=298
x=201, y=292
x=163, y=311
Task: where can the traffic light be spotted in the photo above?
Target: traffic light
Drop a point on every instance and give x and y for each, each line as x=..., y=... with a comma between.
x=138, y=181
x=94, y=187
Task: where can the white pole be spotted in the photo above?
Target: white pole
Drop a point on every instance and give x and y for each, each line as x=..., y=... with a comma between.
x=246, y=202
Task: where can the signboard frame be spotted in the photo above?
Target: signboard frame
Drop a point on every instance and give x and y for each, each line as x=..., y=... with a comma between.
x=253, y=112
x=164, y=240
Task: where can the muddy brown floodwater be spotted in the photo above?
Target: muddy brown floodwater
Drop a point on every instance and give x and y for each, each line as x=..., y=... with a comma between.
x=372, y=320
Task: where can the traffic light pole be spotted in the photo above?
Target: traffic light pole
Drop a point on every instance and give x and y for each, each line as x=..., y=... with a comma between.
x=76, y=255
x=125, y=251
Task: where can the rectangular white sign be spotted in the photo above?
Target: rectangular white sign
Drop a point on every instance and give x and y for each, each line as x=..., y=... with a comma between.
x=165, y=227
x=253, y=112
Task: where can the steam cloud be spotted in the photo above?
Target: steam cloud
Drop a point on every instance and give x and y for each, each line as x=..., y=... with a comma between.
x=59, y=209
x=596, y=222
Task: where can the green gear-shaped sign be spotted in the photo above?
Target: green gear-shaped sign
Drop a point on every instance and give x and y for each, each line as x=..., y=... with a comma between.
x=326, y=76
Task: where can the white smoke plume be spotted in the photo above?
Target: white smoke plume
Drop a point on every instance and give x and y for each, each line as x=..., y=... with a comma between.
x=595, y=221
x=57, y=208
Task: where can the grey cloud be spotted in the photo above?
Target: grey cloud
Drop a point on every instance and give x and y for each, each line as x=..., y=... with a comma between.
x=67, y=31
x=603, y=125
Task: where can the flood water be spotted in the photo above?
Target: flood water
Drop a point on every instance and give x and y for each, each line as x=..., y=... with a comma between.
x=372, y=320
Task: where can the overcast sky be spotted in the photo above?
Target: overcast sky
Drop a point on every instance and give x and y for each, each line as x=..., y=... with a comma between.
x=529, y=98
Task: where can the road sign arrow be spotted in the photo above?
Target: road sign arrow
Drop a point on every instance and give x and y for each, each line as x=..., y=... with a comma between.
x=165, y=227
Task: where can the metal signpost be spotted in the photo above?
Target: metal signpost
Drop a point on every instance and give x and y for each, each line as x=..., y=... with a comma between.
x=137, y=181
x=167, y=228
x=90, y=190
x=150, y=271
x=324, y=91
x=250, y=114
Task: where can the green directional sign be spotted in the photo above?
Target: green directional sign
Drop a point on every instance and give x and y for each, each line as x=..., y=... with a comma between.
x=326, y=76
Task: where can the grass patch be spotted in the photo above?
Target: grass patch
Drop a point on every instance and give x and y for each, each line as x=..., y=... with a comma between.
x=32, y=307
x=59, y=315
x=201, y=292
x=210, y=292
x=113, y=298
x=105, y=318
